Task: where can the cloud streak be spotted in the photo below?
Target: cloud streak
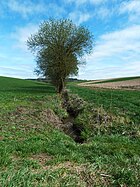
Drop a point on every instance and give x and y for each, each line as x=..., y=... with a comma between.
x=79, y=17
x=28, y=8
x=13, y=71
x=122, y=41
x=25, y=7
x=82, y=2
x=132, y=8
x=22, y=34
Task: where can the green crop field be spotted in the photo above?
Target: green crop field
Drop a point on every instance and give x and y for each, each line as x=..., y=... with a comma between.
x=35, y=153
x=117, y=101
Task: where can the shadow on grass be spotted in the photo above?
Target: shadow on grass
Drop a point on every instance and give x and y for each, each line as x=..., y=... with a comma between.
x=38, y=89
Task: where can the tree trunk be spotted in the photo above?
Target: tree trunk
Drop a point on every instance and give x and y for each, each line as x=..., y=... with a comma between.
x=61, y=86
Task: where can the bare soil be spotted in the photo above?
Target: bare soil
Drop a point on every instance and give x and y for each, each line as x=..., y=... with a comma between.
x=127, y=84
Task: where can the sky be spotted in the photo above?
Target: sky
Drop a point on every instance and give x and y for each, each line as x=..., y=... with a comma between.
x=115, y=25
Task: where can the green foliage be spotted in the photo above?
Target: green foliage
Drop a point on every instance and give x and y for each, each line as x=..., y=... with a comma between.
x=59, y=44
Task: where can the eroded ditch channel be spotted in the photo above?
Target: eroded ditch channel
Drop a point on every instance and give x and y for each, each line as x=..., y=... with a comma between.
x=73, y=105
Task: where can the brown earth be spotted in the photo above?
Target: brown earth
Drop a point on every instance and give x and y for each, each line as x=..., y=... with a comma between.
x=128, y=84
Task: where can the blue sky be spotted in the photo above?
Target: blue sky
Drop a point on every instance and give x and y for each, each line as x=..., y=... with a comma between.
x=114, y=23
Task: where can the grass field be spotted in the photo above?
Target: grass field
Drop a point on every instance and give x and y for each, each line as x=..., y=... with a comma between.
x=34, y=153
x=116, y=101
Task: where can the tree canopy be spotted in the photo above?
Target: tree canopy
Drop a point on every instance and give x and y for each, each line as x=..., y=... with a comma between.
x=59, y=44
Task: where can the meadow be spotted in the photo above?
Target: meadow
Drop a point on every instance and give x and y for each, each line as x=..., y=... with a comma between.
x=35, y=153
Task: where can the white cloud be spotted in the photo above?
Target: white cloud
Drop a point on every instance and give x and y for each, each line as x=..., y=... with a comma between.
x=110, y=71
x=22, y=34
x=132, y=8
x=17, y=72
x=81, y=2
x=79, y=17
x=116, y=54
x=97, y=2
x=26, y=7
x=98, y=10
x=103, y=12
x=78, y=2
x=16, y=64
x=119, y=42
x=15, y=59
x=15, y=68
x=2, y=56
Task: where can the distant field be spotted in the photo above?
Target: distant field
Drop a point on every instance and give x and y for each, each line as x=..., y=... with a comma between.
x=35, y=153
x=120, y=83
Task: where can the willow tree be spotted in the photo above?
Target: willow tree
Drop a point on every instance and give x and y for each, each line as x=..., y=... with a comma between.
x=59, y=46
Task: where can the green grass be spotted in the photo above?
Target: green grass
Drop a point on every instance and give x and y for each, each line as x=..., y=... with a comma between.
x=24, y=86
x=34, y=153
x=15, y=92
x=116, y=101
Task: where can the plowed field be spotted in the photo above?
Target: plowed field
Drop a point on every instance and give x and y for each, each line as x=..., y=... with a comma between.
x=127, y=84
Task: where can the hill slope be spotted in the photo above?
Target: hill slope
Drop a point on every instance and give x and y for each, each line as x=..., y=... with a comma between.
x=20, y=85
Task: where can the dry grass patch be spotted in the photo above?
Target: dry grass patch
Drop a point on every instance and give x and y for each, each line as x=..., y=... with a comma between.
x=41, y=158
x=72, y=174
